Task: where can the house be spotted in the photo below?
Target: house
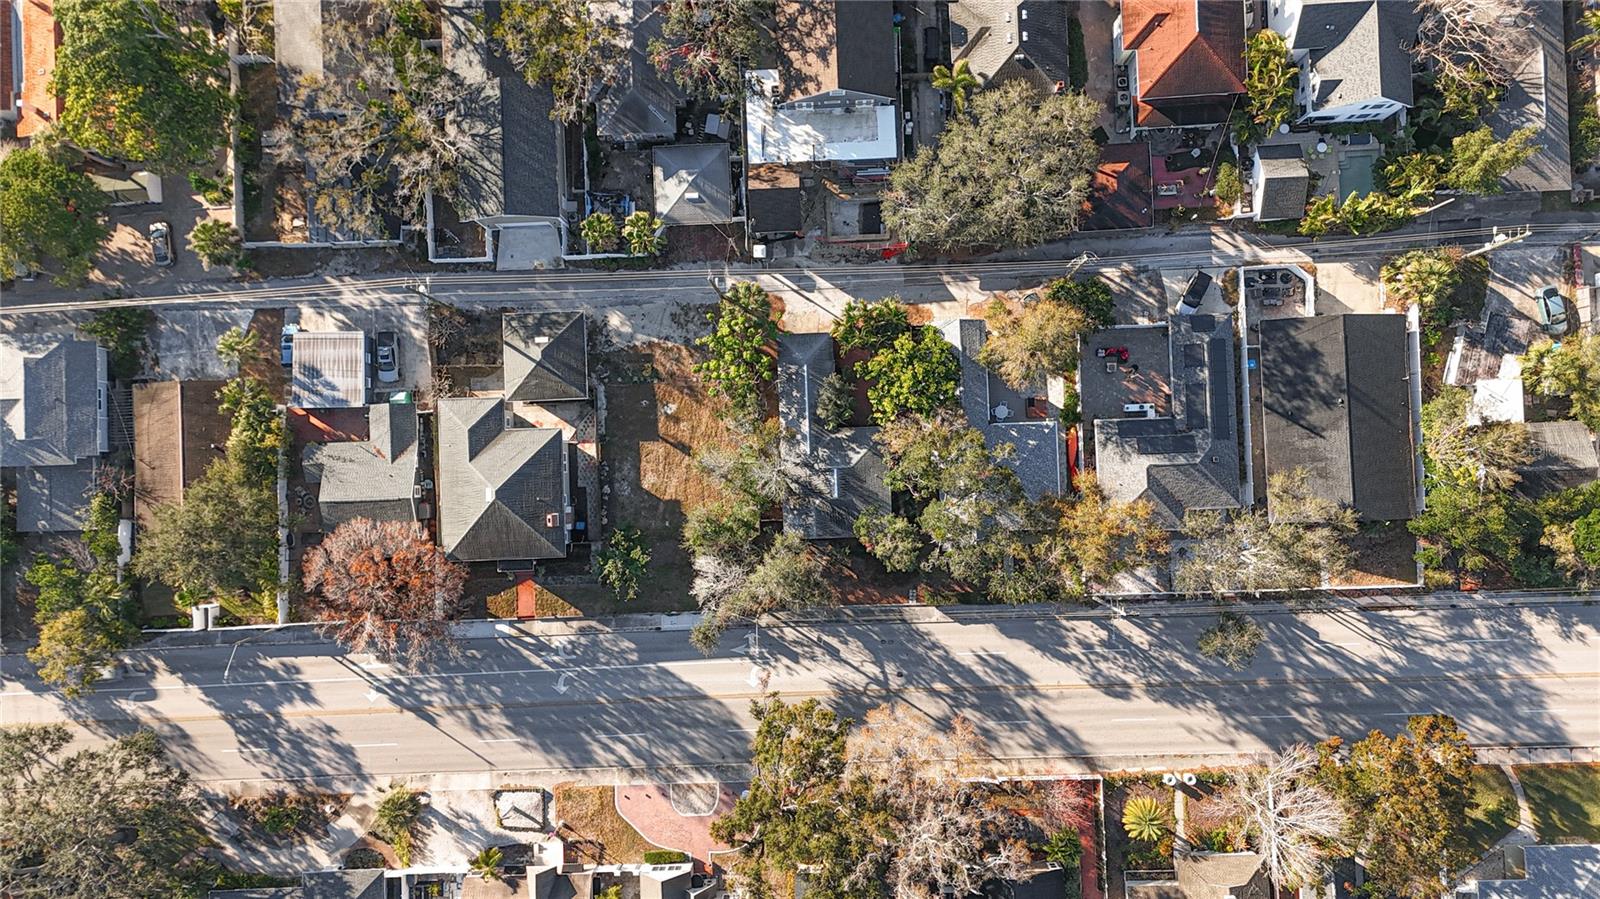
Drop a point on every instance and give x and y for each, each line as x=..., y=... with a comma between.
x=1355, y=56
x=1279, y=182
x=1029, y=419
x=641, y=106
x=512, y=184
x=1007, y=40
x=1337, y=395
x=1208, y=875
x=546, y=356
x=774, y=204
x=694, y=184
x=1536, y=97
x=179, y=429
x=53, y=426
x=1565, y=456
x=1044, y=881
x=1184, y=58
x=836, y=474
x=376, y=478
x=1549, y=872
x=504, y=489
x=1188, y=460
x=331, y=370
x=29, y=37
x=832, y=96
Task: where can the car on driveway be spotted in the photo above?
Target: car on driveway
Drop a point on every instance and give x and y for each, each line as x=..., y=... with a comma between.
x=286, y=346
x=388, y=357
x=161, y=243
x=1552, y=311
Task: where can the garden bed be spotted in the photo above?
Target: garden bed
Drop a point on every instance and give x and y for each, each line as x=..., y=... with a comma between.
x=283, y=818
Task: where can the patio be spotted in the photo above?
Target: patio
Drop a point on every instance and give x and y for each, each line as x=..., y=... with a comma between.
x=1183, y=179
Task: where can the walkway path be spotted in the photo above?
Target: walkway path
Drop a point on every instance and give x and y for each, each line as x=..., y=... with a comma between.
x=1493, y=864
x=650, y=809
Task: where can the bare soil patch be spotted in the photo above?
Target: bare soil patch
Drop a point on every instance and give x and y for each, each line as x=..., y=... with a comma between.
x=587, y=819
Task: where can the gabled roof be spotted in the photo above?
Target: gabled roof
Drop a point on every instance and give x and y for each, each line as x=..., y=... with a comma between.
x=1564, y=456
x=179, y=429
x=1222, y=875
x=642, y=104
x=693, y=184
x=1284, y=179
x=829, y=45
x=502, y=490
x=49, y=393
x=54, y=498
x=837, y=475
x=1358, y=49
x=1188, y=50
x=546, y=356
x=1336, y=393
x=1004, y=40
x=372, y=478
x=1189, y=461
x=1537, y=97
x=365, y=883
x=514, y=145
x=1001, y=413
x=37, y=41
x=1121, y=194
x=329, y=370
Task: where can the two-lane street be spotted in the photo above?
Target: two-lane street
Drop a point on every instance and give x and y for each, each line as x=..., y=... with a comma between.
x=1037, y=688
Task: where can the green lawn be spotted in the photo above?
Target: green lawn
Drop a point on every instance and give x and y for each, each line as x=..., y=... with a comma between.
x=1565, y=801
x=1493, y=812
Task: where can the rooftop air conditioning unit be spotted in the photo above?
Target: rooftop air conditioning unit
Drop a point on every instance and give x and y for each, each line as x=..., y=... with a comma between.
x=552, y=519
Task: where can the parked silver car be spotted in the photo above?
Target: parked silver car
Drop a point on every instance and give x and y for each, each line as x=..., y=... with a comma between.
x=388, y=357
x=1552, y=311
x=161, y=243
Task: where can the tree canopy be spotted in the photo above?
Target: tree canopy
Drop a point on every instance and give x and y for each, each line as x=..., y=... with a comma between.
x=52, y=214
x=1479, y=159
x=221, y=541
x=1568, y=371
x=1092, y=539
x=740, y=346
x=1485, y=455
x=1027, y=346
x=384, y=587
x=1294, y=547
x=562, y=43
x=871, y=325
x=917, y=374
x=705, y=44
x=84, y=616
x=1269, y=85
x=109, y=820
x=137, y=84
x=1015, y=173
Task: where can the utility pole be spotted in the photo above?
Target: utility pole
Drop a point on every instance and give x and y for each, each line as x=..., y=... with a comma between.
x=1501, y=238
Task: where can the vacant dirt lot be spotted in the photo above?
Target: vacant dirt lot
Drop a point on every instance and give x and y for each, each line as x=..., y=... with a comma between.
x=657, y=415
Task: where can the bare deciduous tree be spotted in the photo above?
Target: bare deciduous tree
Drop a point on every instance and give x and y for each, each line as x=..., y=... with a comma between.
x=951, y=835
x=1463, y=38
x=384, y=587
x=1292, y=817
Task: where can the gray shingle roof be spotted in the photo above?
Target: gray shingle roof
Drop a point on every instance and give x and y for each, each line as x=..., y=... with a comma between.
x=546, y=356
x=1360, y=49
x=515, y=147
x=1551, y=872
x=1537, y=97
x=1565, y=456
x=836, y=475
x=693, y=184
x=1190, y=461
x=1337, y=400
x=1284, y=181
x=1040, y=457
x=642, y=104
x=499, y=487
x=372, y=478
x=54, y=498
x=1003, y=40
x=49, y=395
x=837, y=45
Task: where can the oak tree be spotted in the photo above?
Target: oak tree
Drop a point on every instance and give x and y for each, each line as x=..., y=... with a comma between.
x=1485, y=455
x=1038, y=342
x=706, y=44
x=222, y=540
x=1291, y=817
x=52, y=214
x=562, y=43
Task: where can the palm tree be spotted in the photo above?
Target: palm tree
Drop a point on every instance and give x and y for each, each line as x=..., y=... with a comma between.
x=958, y=81
x=235, y=344
x=486, y=863
x=1145, y=819
x=1590, y=20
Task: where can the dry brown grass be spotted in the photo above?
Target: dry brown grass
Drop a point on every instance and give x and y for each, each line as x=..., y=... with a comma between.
x=1382, y=555
x=589, y=814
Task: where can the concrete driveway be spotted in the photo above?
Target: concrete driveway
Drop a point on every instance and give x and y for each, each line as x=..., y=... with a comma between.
x=1348, y=287
x=409, y=322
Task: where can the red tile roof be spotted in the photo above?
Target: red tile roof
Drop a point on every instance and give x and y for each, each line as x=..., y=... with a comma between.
x=1187, y=48
x=40, y=37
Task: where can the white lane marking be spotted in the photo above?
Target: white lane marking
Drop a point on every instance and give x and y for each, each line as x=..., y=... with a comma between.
x=447, y=675
x=371, y=745
x=1013, y=721
x=502, y=740
x=247, y=749
x=1116, y=720
x=1487, y=640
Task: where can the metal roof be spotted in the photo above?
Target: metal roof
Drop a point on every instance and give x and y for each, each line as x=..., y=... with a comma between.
x=330, y=370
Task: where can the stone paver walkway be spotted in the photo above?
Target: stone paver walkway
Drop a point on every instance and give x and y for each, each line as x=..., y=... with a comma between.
x=649, y=808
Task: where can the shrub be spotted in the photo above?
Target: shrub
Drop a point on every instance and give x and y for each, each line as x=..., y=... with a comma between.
x=664, y=857
x=1064, y=848
x=397, y=816
x=724, y=529
x=217, y=243
x=363, y=859
x=622, y=562
x=124, y=334
x=213, y=191
x=1091, y=296
x=1227, y=185
x=600, y=232
x=870, y=324
x=486, y=863
x=890, y=538
x=1077, y=57
x=639, y=230
x=835, y=402
x=281, y=819
x=1146, y=819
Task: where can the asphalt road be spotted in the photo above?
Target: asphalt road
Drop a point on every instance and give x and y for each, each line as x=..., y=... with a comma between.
x=1037, y=689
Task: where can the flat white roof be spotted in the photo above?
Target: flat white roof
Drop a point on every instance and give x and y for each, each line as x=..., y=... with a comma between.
x=330, y=370
x=787, y=136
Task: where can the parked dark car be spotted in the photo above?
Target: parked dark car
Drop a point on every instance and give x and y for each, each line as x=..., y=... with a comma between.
x=387, y=353
x=1194, y=293
x=932, y=48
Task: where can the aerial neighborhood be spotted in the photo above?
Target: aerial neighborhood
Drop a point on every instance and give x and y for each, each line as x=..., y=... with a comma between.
x=765, y=449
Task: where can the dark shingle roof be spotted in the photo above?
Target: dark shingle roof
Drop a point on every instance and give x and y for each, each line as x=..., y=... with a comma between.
x=642, y=104
x=1284, y=180
x=836, y=475
x=499, y=487
x=1337, y=398
x=1359, y=49
x=837, y=45
x=372, y=478
x=54, y=498
x=773, y=200
x=48, y=395
x=546, y=356
x=1565, y=456
x=693, y=184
